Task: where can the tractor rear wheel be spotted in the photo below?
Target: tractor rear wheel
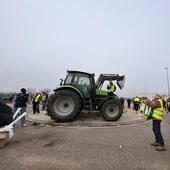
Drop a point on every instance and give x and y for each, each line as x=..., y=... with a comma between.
x=111, y=110
x=64, y=105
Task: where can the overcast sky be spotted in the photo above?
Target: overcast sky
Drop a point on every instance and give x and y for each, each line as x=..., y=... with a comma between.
x=41, y=39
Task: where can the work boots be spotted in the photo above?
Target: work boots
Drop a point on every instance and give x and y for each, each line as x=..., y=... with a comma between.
x=160, y=148
x=155, y=144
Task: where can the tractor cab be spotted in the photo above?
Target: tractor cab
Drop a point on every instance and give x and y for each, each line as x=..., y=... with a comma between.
x=82, y=81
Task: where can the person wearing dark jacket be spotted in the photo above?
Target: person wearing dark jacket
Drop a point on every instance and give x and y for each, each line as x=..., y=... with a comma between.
x=129, y=102
x=21, y=102
x=122, y=101
x=6, y=114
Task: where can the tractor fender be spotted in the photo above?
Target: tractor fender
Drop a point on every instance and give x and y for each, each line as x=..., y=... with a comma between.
x=108, y=98
x=68, y=87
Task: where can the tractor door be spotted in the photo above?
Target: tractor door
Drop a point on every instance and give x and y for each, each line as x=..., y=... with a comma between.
x=82, y=82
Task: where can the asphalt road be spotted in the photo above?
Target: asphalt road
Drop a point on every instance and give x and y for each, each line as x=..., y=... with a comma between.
x=85, y=148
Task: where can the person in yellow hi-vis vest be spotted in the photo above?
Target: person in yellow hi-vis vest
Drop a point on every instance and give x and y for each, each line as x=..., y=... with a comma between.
x=111, y=88
x=35, y=103
x=157, y=104
x=136, y=103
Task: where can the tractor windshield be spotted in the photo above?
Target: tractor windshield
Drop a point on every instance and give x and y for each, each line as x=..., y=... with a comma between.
x=69, y=78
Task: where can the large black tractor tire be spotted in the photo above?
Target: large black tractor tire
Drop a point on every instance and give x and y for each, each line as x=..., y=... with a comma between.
x=64, y=105
x=111, y=110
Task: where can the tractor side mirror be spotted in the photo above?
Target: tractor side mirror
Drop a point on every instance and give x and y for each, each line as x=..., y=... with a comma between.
x=61, y=82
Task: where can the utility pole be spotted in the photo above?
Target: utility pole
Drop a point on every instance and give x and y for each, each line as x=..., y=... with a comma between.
x=166, y=68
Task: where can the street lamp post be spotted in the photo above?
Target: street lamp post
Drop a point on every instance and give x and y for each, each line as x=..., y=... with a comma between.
x=166, y=68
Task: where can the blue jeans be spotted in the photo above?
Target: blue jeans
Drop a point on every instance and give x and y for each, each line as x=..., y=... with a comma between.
x=43, y=105
x=156, y=127
x=23, y=109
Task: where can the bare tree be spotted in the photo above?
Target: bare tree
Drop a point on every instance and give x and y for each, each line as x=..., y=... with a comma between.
x=31, y=92
x=46, y=90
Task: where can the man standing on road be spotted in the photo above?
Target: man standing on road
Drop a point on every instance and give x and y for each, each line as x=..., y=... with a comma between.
x=158, y=114
x=21, y=102
x=129, y=102
x=44, y=100
x=136, y=103
x=35, y=102
x=122, y=101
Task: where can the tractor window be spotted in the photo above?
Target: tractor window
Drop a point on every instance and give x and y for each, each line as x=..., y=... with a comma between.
x=75, y=79
x=69, y=79
x=84, y=81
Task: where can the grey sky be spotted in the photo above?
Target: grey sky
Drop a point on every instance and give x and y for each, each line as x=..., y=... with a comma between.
x=41, y=39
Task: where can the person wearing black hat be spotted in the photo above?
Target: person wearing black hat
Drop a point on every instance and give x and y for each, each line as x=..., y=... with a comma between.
x=21, y=102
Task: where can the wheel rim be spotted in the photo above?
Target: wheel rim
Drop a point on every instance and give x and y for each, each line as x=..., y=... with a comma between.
x=112, y=110
x=64, y=106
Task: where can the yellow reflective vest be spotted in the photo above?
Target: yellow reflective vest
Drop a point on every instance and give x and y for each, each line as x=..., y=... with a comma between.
x=136, y=99
x=111, y=88
x=37, y=98
x=158, y=113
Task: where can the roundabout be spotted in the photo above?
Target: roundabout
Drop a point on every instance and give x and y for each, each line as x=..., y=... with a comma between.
x=87, y=119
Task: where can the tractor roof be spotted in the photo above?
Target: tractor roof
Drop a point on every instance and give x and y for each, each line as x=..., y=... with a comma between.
x=74, y=71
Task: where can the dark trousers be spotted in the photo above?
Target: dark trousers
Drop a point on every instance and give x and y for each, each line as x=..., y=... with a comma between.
x=136, y=106
x=36, y=107
x=156, y=127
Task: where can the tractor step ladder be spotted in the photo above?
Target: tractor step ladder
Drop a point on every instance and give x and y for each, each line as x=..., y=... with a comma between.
x=88, y=104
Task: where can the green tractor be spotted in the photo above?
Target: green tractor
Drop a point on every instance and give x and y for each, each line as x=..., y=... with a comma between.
x=79, y=91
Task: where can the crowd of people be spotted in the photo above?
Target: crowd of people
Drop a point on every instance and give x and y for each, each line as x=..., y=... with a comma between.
x=20, y=100
x=135, y=102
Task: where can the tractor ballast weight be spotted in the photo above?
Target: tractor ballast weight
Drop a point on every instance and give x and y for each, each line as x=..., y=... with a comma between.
x=79, y=91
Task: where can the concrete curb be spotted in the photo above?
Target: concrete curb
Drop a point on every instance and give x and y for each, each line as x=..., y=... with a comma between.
x=86, y=124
